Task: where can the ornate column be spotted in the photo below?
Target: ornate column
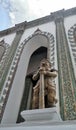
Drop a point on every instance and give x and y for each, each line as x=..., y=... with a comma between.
x=9, y=63
x=11, y=53
x=67, y=85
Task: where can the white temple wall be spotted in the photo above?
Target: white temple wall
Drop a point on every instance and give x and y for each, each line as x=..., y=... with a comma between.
x=8, y=38
x=47, y=27
x=19, y=80
x=69, y=22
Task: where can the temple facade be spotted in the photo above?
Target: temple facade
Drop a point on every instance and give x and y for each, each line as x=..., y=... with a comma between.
x=38, y=73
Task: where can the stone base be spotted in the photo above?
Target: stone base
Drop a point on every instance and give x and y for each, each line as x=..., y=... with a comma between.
x=47, y=114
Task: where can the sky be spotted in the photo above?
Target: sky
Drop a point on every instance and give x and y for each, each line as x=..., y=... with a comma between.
x=16, y=11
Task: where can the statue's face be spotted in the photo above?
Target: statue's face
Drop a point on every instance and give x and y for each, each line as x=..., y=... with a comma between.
x=43, y=64
x=46, y=65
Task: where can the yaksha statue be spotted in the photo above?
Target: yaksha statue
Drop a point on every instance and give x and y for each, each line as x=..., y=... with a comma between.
x=44, y=92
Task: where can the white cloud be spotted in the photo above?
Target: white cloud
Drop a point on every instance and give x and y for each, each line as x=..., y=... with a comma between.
x=44, y=7
x=20, y=11
x=12, y=16
x=26, y=10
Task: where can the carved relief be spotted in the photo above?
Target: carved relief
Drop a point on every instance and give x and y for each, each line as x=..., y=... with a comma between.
x=2, y=48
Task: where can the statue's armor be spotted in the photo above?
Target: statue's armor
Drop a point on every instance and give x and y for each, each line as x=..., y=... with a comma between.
x=49, y=85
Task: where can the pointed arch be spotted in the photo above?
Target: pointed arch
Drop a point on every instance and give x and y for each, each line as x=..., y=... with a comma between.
x=33, y=66
x=16, y=77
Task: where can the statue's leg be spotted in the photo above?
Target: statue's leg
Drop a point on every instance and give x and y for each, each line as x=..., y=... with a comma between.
x=51, y=96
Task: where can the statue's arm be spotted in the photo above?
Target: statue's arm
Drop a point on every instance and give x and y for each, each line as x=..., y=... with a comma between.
x=51, y=74
x=35, y=76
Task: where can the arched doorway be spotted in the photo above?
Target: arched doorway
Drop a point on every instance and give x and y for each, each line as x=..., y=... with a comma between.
x=34, y=63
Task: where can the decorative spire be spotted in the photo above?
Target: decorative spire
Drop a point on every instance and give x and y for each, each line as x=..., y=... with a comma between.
x=37, y=31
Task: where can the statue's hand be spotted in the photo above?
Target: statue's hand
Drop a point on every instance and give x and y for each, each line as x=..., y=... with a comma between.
x=41, y=69
x=44, y=72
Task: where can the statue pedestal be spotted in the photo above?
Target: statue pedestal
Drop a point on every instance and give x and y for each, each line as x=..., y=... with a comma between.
x=46, y=114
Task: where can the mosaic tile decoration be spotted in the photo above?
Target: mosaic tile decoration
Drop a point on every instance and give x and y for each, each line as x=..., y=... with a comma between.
x=67, y=85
